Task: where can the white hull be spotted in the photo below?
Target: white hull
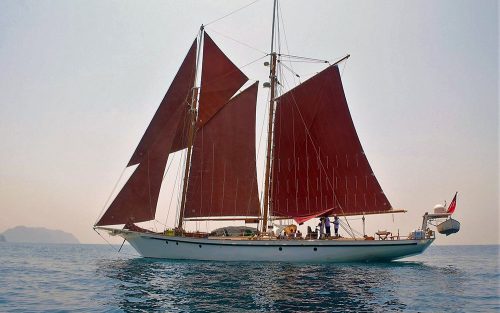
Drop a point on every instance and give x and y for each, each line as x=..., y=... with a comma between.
x=327, y=251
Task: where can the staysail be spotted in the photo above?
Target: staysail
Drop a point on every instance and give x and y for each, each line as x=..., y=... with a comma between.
x=222, y=180
x=136, y=202
x=319, y=163
x=178, y=95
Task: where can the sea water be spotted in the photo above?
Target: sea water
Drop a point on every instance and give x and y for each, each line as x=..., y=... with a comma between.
x=95, y=278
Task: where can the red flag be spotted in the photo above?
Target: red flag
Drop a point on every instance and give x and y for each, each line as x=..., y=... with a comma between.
x=453, y=204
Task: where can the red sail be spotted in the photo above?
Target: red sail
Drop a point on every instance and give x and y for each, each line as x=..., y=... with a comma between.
x=223, y=181
x=319, y=163
x=220, y=80
x=137, y=200
x=178, y=95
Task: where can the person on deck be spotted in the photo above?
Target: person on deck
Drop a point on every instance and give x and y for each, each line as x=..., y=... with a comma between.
x=327, y=226
x=298, y=234
x=321, y=228
x=336, y=223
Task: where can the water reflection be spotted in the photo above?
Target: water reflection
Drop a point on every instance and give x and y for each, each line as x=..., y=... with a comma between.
x=174, y=286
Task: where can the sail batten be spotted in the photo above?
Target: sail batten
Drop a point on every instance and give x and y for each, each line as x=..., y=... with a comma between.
x=319, y=163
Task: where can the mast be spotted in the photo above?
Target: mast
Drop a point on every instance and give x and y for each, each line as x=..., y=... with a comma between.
x=192, y=125
x=272, y=77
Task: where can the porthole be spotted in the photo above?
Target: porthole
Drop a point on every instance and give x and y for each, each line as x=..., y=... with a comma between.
x=166, y=241
x=280, y=248
x=177, y=243
x=199, y=246
x=315, y=249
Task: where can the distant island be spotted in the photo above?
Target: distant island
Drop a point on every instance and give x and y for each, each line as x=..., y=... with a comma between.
x=37, y=235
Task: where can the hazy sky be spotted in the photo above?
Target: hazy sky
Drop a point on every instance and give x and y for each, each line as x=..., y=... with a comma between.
x=80, y=81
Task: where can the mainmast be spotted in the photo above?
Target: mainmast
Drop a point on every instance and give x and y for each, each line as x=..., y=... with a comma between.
x=192, y=124
x=268, y=178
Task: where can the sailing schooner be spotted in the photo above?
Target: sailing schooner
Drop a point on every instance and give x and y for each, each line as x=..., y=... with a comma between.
x=315, y=167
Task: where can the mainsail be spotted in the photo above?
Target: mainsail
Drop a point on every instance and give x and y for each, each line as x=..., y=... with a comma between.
x=222, y=180
x=319, y=163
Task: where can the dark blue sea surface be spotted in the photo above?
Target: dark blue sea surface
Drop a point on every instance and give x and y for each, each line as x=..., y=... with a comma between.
x=94, y=278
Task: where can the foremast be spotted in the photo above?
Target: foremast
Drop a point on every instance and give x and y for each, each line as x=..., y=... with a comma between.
x=268, y=175
x=191, y=131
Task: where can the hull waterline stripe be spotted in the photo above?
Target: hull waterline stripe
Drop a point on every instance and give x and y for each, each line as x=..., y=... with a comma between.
x=284, y=245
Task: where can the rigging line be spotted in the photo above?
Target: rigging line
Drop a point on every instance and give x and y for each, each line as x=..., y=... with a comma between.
x=212, y=180
x=206, y=226
x=168, y=167
x=193, y=110
x=347, y=230
x=284, y=32
x=278, y=34
x=343, y=68
x=201, y=172
x=237, y=41
x=352, y=230
x=109, y=197
x=266, y=112
x=277, y=151
x=149, y=193
x=305, y=61
x=308, y=75
x=295, y=183
x=291, y=70
x=302, y=58
x=111, y=245
x=269, y=151
x=179, y=194
x=172, y=195
x=252, y=62
x=223, y=186
x=159, y=222
x=307, y=180
x=231, y=13
x=278, y=73
x=315, y=149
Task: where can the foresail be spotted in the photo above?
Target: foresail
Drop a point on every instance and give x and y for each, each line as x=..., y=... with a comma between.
x=178, y=95
x=222, y=180
x=136, y=201
x=220, y=80
x=319, y=163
